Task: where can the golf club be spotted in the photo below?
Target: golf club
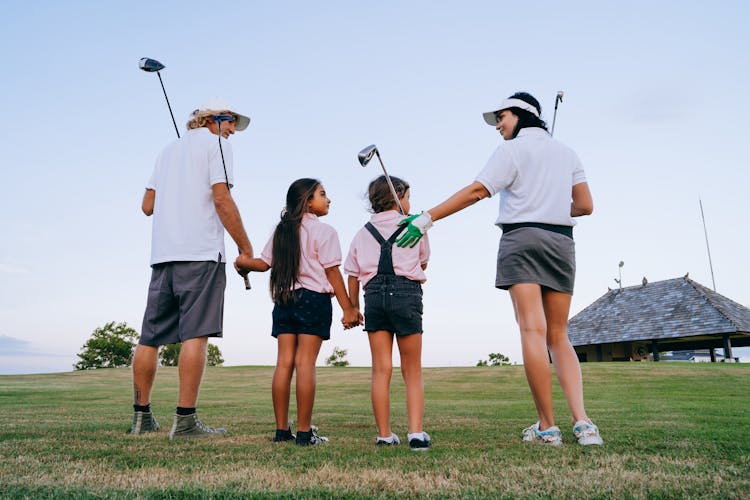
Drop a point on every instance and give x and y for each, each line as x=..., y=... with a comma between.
x=558, y=100
x=365, y=156
x=219, y=119
x=154, y=66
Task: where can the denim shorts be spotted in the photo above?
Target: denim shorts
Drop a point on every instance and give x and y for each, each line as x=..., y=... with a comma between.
x=311, y=313
x=185, y=301
x=393, y=303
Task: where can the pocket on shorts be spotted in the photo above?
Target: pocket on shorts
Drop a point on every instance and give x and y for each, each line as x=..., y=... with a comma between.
x=407, y=304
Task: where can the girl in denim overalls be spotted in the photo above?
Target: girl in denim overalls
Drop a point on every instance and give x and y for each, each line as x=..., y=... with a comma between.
x=391, y=278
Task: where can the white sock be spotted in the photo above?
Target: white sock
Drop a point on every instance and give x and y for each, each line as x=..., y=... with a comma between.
x=422, y=436
x=389, y=439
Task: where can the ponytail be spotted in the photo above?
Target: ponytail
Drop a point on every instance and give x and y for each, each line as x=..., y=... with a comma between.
x=286, y=254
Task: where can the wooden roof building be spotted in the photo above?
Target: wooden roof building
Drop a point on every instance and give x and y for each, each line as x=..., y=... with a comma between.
x=638, y=322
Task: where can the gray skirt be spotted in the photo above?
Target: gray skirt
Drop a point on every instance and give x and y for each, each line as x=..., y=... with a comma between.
x=534, y=255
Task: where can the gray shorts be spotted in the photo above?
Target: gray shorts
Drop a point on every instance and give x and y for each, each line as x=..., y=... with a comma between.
x=185, y=301
x=534, y=255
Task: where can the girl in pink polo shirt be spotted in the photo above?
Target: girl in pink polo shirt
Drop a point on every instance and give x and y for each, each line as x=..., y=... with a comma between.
x=391, y=277
x=304, y=255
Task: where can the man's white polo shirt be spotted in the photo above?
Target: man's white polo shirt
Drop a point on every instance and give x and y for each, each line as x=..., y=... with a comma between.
x=186, y=226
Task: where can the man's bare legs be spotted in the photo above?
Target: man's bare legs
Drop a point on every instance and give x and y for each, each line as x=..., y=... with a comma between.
x=191, y=366
x=145, y=360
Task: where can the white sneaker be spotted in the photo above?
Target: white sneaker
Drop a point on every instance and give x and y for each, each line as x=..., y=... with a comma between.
x=419, y=441
x=587, y=433
x=550, y=437
x=389, y=441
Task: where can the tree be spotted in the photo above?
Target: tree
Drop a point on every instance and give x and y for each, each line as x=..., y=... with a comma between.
x=337, y=358
x=110, y=346
x=169, y=355
x=495, y=359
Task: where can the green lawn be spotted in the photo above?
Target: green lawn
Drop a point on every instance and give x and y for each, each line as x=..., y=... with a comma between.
x=670, y=430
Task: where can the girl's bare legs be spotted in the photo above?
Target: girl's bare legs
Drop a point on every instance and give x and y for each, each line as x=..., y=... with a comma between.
x=567, y=367
x=410, y=349
x=529, y=309
x=282, y=378
x=308, y=347
x=381, y=349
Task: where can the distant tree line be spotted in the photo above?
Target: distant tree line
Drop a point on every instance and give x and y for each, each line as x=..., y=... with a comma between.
x=112, y=345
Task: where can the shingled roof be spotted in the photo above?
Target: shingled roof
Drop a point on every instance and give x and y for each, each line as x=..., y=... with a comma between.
x=666, y=309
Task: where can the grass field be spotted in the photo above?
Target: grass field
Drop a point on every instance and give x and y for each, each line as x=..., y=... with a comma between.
x=670, y=430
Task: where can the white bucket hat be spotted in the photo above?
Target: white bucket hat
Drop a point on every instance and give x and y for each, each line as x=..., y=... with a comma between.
x=215, y=105
x=491, y=116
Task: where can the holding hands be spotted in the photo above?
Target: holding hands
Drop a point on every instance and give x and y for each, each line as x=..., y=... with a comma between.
x=352, y=318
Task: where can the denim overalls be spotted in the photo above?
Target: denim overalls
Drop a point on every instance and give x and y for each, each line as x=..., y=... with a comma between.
x=392, y=302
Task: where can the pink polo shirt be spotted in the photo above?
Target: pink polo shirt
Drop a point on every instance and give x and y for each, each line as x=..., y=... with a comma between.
x=321, y=249
x=364, y=252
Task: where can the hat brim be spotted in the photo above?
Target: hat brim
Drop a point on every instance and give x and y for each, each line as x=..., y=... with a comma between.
x=242, y=122
x=491, y=118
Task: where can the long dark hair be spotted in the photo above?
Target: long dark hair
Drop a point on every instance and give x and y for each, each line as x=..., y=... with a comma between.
x=286, y=255
x=526, y=118
x=381, y=198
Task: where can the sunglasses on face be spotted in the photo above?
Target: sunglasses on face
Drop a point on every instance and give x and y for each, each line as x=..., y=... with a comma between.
x=224, y=118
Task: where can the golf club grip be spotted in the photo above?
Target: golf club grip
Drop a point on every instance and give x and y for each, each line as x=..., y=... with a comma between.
x=246, y=277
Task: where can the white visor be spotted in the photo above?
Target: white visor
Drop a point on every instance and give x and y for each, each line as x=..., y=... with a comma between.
x=491, y=118
x=216, y=105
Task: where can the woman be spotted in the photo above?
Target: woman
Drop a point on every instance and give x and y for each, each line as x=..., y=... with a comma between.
x=542, y=187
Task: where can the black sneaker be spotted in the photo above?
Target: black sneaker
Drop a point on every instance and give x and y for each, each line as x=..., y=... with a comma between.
x=143, y=422
x=310, y=438
x=419, y=441
x=391, y=441
x=283, y=435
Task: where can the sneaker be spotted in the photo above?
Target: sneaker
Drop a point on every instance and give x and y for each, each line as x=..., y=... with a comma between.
x=310, y=438
x=551, y=436
x=419, y=441
x=389, y=441
x=190, y=426
x=143, y=422
x=587, y=433
x=283, y=435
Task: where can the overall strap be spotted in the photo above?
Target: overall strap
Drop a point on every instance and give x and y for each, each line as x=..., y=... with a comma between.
x=385, y=263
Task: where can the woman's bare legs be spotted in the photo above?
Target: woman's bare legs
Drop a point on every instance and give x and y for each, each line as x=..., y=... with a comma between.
x=529, y=309
x=568, y=369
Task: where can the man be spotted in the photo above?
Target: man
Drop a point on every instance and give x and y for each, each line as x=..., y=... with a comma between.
x=188, y=195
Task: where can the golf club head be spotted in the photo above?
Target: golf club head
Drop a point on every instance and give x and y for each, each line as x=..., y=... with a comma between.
x=150, y=65
x=560, y=95
x=366, y=154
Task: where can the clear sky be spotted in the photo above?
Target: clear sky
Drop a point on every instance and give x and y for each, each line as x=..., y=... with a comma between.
x=656, y=105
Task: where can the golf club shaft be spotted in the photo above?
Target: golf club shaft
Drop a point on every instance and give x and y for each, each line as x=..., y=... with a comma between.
x=390, y=184
x=245, y=277
x=168, y=105
x=558, y=100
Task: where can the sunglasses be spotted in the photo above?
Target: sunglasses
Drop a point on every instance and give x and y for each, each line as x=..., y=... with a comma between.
x=224, y=118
